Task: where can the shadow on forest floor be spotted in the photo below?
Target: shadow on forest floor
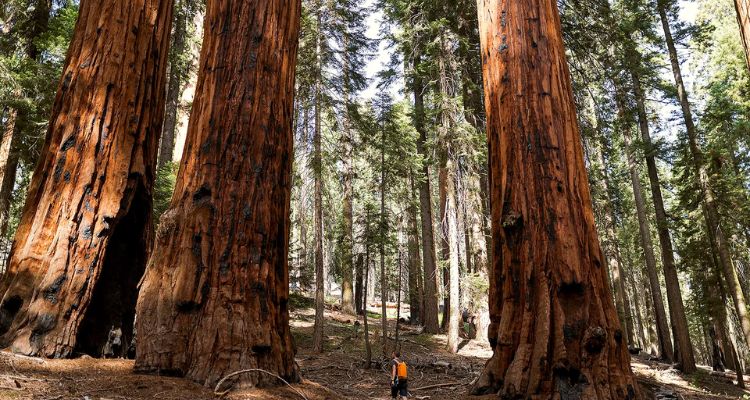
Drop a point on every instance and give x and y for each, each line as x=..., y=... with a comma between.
x=337, y=373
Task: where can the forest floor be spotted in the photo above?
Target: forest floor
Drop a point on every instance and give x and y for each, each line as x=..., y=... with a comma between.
x=338, y=373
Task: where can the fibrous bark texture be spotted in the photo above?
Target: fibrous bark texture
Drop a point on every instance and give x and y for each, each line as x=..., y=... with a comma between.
x=82, y=242
x=214, y=297
x=555, y=331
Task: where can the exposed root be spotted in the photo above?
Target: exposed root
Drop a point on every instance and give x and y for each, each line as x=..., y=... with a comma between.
x=244, y=371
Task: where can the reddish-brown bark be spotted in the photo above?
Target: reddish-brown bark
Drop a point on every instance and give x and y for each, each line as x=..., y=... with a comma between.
x=214, y=297
x=82, y=242
x=555, y=331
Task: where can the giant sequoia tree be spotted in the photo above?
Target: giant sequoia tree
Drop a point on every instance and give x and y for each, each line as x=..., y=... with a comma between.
x=82, y=242
x=214, y=298
x=554, y=327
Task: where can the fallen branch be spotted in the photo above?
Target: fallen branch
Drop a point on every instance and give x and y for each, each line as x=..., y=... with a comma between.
x=438, y=386
x=20, y=378
x=23, y=357
x=244, y=371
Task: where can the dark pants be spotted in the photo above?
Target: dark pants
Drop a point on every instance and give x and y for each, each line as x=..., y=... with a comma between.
x=399, y=388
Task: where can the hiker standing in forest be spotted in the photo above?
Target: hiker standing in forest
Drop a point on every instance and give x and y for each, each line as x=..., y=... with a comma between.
x=399, y=377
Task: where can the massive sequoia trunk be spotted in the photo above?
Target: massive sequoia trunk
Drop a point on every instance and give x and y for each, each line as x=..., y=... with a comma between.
x=82, y=242
x=743, y=18
x=215, y=295
x=555, y=331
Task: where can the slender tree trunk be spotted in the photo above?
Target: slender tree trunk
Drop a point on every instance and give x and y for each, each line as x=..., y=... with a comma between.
x=8, y=167
x=743, y=18
x=368, y=348
x=359, y=285
x=662, y=325
x=554, y=328
x=347, y=295
x=451, y=313
x=34, y=29
x=381, y=245
x=682, y=344
x=415, y=288
x=177, y=76
x=614, y=257
x=318, y=199
x=89, y=201
x=447, y=197
x=215, y=295
x=649, y=317
x=639, y=320
x=425, y=205
x=710, y=209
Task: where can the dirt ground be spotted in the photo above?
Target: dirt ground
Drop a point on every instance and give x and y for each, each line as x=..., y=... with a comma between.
x=338, y=373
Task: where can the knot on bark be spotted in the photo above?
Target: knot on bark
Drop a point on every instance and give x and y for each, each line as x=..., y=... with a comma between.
x=595, y=339
x=167, y=222
x=513, y=220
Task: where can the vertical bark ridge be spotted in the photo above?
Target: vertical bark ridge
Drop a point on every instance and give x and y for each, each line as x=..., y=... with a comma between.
x=215, y=295
x=99, y=154
x=555, y=331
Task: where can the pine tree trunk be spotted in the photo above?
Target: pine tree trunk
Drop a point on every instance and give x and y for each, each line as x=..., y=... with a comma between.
x=84, y=235
x=639, y=320
x=415, y=288
x=614, y=257
x=347, y=295
x=33, y=30
x=449, y=224
x=318, y=199
x=359, y=285
x=381, y=248
x=214, y=299
x=177, y=75
x=447, y=198
x=555, y=332
x=710, y=210
x=649, y=318
x=662, y=325
x=8, y=167
x=425, y=206
x=682, y=345
x=368, y=348
x=743, y=18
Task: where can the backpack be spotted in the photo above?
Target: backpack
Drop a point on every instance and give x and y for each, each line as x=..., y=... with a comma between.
x=401, y=370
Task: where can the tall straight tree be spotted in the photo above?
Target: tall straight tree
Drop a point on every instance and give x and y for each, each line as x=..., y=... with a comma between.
x=214, y=297
x=683, y=347
x=554, y=326
x=425, y=206
x=710, y=208
x=31, y=31
x=180, y=63
x=83, y=239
